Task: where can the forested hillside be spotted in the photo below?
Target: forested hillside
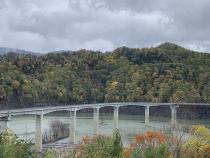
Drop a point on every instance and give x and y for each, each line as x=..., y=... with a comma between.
x=162, y=74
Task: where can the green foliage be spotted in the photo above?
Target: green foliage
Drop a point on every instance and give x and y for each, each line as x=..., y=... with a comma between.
x=117, y=146
x=162, y=74
x=96, y=147
x=136, y=152
x=11, y=147
x=105, y=147
x=100, y=149
x=149, y=145
x=161, y=151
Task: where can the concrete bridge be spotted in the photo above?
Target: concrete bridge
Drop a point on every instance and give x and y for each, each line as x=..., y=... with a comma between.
x=39, y=112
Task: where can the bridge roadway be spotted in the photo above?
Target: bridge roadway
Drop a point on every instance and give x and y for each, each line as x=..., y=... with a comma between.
x=39, y=112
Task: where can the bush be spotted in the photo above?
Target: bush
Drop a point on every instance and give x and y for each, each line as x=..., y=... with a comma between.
x=117, y=146
x=57, y=131
x=12, y=147
x=150, y=145
x=198, y=144
x=102, y=147
x=95, y=147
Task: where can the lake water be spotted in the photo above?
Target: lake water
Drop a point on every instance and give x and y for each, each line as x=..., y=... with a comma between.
x=129, y=125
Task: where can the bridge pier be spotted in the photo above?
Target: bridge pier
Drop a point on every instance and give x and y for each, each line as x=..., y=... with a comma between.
x=72, y=126
x=116, y=117
x=38, y=132
x=3, y=123
x=96, y=121
x=147, y=115
x=173, y=114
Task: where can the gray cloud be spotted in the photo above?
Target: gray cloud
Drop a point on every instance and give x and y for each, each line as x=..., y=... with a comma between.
x=48, y=25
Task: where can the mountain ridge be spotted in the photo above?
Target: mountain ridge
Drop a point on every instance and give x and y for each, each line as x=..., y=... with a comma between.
x=167, y=73
x=5, y=50
x=164, y=45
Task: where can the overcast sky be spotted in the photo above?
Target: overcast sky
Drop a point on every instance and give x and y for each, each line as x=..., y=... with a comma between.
x=48, y=25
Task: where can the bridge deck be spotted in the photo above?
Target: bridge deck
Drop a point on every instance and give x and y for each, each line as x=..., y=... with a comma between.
x=48, y=109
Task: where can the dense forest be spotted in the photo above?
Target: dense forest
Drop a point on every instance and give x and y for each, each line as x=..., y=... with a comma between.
x=167, y=73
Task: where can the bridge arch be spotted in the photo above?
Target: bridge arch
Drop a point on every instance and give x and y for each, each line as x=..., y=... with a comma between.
x=83, y=108
x=55, y=110
x=40, y=111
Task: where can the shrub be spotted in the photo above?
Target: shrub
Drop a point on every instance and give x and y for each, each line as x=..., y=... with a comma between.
x=198, y=144
x=12, y=147
x=117, y=146
x=102, y=147
x=57, y=131
x=150, y=145
x=94, y=147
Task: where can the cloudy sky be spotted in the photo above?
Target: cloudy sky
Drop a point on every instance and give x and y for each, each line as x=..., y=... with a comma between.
x=47, y=25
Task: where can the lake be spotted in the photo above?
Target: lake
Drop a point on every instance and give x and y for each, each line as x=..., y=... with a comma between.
x=129, y=125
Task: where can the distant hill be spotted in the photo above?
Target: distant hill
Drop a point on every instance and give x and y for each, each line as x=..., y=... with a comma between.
x=166, y=73
x=5, y=50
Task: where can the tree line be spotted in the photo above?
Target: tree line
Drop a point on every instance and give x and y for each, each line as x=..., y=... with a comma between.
x=167, y=73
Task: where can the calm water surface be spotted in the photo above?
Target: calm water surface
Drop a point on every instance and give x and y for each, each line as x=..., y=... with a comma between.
x=129, y=125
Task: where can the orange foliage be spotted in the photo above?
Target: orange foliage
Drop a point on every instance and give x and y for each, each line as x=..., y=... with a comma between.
x=139, y=139
x=127, y=152
x=207, y=150
x=150, y=137
x=155, y=136
x=86, y=140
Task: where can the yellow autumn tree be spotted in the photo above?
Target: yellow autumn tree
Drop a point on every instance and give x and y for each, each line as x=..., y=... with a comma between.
x=199, y=142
